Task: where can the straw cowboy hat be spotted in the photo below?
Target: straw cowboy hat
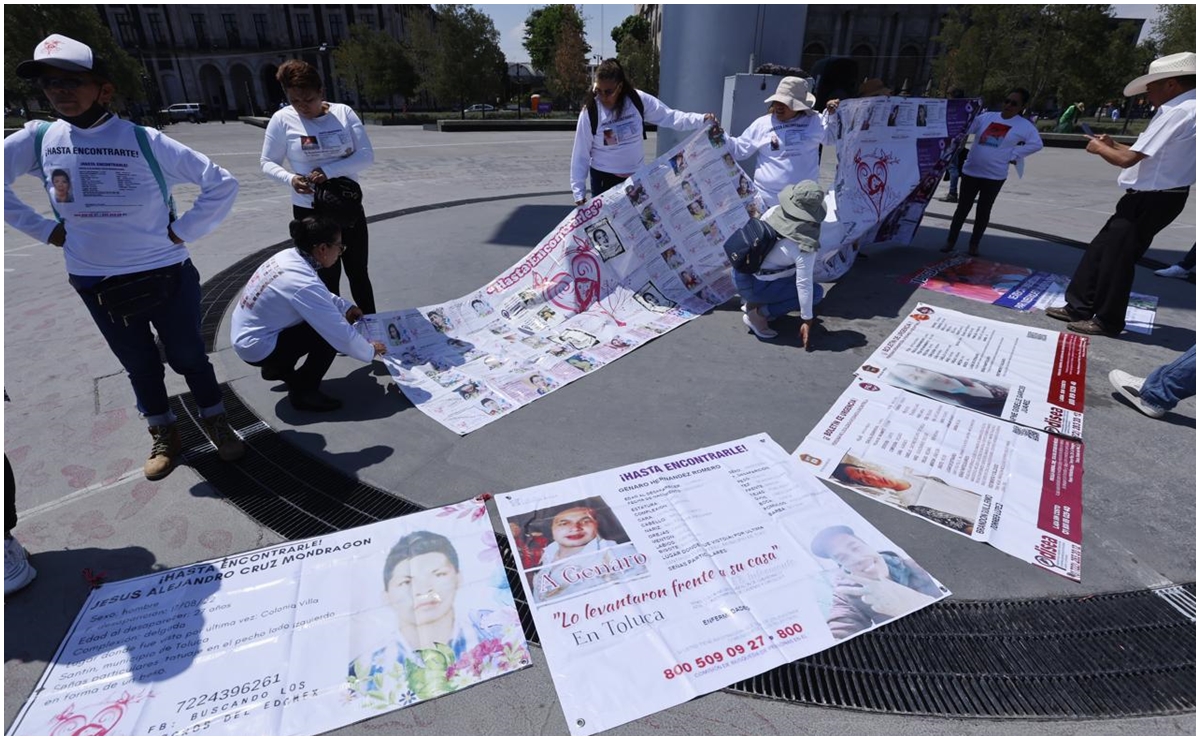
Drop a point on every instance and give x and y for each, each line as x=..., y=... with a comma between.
x=794, y=93
x=1172, y=65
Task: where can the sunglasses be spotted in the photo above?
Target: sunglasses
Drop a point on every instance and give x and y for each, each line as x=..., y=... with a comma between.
x=605, y=93
x=63, y=83
x=340, y=246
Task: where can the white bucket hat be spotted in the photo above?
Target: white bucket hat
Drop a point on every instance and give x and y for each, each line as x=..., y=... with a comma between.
x=1172, y=65
x=793, y=92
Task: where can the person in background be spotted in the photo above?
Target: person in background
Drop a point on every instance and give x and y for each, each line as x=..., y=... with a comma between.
x=285, y=313
x=787, y=139
x=1184, y=269
x=125, y=252
x=1157, y=173
x=954, y=171
x=319, y=141
x=1001, y=139
x=609, y=147
x=17, y=570
x=1066, y=122
x=1163, y=389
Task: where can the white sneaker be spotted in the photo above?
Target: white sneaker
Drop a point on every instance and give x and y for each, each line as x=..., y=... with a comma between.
x=1130, y=386
x=754, y=319
x=17, y=570
x=1174, y=271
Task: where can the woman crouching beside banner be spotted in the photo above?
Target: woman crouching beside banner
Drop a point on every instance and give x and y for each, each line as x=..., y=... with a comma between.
x=286, y=312
x=766, y=294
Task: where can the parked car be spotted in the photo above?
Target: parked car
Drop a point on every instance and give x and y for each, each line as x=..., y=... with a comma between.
x=479, y=108
x=193, y=112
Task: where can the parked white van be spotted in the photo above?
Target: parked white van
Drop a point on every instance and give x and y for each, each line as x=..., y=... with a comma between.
x=193, y=112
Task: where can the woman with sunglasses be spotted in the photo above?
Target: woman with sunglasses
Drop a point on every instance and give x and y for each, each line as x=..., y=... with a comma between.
x=610, y=149
x=1001, y=139
x=285, y=312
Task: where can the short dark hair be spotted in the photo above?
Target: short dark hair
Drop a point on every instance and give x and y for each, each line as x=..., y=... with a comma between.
x=1187, y=82
x=1025, y=94
x=60, y=173
x=417, y=543
x=299, y=73
x=310, y=231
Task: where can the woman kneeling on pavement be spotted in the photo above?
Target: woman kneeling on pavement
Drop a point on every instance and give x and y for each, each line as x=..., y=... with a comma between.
x=286, y=312
x=769, y=293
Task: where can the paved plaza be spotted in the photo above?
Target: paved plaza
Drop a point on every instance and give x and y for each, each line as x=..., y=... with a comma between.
x=77, y=445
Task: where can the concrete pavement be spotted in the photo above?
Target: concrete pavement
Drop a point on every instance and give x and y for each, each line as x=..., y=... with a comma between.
x=77, y=445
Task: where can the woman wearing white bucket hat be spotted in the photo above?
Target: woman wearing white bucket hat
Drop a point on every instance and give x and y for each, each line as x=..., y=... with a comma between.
x=786, y=139
x=1157, y=172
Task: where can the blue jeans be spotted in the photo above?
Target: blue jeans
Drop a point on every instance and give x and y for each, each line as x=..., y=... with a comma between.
x=1173, y=382
x=773, y=297
x=177, y=322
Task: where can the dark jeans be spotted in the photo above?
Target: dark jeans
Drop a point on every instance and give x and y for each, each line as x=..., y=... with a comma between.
x=355, y=258
x=604, y=181
x=10, y=497
x=177, y=323
x=987, y=190
x=1102, y=281
x=293, y=343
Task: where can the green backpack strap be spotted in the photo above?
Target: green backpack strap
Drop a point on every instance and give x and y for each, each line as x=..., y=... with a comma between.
x=144, y=144
x=39, y=134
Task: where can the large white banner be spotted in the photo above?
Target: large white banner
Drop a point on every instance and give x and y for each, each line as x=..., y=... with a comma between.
x=1018, y=489
x=295, y=639
x=657, y=582
x=1034, y=377
x=892, y=153
x=634, y=263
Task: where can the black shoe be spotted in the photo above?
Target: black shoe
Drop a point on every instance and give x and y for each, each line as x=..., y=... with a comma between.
x=1064, y=313
x=950, y=198
x=947, y=248
x=1093, y=328
x=313, y=401
x=973, y=250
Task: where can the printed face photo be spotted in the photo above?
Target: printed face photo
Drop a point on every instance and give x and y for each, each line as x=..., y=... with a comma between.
x=689, y=189
x=309, y=143
x=578, y=339
x=697, y=209
x=689, y=279
x=652, y=299
x=541, y=383
x=672, y=258
x=481, y=309
x=468, y=391
x=636, y=193
x=582, y=362
x=729, y=162
x=494, y=406
x=439, y=320
x=650, y=217
x=678, y=163
x=60, y=181
x=605, y=240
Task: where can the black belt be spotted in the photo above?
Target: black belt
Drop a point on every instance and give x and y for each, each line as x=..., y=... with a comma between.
x=775, y=272
x=1181, y=189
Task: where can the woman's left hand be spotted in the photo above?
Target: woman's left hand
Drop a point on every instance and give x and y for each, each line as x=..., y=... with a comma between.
x=712, y=118
x=317, y=176
x=805, y=331
x=832, y=105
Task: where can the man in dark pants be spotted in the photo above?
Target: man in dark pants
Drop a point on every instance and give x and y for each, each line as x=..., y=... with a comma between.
x=1157, y=173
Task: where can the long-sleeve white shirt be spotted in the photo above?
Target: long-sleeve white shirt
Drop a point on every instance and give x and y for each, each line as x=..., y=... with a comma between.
x=999, y=141
x=785, y=255
x=336, y=142
x=788, y=152
x=283, y=292
x=617, y=147
x=113, y=212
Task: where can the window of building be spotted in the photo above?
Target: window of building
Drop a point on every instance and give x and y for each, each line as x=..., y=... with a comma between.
x=367, y=17
x=156, y=28
x=260, y=28
x=126, y=29
x=232, y=37
x=335, y=28
x=200, y=26
x=304, y=25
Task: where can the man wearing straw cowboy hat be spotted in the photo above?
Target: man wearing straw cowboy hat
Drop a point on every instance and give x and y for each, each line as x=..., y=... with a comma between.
x=1157, y=172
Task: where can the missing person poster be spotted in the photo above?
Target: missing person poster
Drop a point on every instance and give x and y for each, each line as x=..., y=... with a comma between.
x=659, y=581
x=1033, y=377
x=621, y=270
x=892, y=153
x=1017, y=489
x=295, y=639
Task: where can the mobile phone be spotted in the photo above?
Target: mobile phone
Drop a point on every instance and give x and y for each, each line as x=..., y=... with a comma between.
x=1087, y=129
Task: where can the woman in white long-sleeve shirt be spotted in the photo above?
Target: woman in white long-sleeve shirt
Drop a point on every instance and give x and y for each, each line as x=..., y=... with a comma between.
x=787, y=139
x=784, y=283
x=612, y=150
x=1001, y=139
x=320, y=140
x=285, y=312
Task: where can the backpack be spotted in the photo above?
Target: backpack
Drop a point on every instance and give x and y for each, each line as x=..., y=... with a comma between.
x=593, y=114
x=748, y=246
x=143, y=143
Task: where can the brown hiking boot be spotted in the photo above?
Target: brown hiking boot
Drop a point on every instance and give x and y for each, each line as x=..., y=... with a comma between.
x=166, y=448
x=229, y=445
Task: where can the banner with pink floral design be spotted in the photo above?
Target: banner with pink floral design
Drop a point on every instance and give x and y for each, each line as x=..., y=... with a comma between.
x=294, y=639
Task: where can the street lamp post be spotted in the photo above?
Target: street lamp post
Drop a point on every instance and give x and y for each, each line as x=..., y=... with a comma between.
x=520, y=93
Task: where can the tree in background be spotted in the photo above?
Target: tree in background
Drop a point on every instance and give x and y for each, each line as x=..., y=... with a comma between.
x=554, y=38
x=1058, y=52
x=26, y=25
x=636, y=52
x=458, y=55
x=1174, y=30
x=376, y=64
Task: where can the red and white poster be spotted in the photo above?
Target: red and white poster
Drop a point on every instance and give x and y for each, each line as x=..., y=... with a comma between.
x=659, y=581
x=1015, y=488
x=1030, y=376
